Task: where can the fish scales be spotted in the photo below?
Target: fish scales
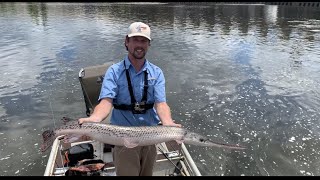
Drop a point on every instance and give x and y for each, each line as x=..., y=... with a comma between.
x=121, y=131
x=120, y=135
x=132, y=136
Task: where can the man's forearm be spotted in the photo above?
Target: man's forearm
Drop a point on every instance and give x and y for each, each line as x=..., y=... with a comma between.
x=102, y=110
x=164, y=113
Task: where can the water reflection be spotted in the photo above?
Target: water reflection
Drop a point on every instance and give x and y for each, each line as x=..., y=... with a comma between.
x=8, y=7
x=38, y=11
x=226, y=17
x=244, y=74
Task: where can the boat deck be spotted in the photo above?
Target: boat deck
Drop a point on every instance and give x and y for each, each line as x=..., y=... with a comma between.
x=171, y=159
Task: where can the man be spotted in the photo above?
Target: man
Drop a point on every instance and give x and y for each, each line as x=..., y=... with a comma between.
x=136, y=89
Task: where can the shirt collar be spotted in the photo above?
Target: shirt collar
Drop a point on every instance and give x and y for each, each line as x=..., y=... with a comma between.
x=146, y=66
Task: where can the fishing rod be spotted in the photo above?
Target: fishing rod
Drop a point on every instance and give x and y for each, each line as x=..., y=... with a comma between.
x=165, y=155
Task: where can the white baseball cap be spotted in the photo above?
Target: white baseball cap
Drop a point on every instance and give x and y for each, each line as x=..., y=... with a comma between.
x=139, y=29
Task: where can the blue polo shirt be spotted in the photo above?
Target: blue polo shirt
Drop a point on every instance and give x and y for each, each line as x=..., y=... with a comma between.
x=115, y=86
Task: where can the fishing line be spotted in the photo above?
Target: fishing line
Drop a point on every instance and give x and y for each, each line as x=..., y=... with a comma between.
x=54, y=125
x=53, y=118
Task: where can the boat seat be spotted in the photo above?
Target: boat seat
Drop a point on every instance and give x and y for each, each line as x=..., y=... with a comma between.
x=91, y=80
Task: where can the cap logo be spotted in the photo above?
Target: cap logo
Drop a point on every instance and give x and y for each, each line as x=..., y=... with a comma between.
x=140, y=28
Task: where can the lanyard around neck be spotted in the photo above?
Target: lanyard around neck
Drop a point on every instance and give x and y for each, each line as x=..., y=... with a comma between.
x=145, y=88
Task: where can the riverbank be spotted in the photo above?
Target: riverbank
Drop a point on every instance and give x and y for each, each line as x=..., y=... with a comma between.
x=302, y=4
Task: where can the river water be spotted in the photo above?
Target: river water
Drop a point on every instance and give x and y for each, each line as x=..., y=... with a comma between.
x=240, y=74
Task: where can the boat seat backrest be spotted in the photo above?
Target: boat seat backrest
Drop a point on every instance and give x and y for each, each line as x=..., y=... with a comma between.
x=91, y=79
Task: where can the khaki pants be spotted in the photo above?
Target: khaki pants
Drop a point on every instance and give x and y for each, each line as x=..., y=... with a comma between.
x=136, y=161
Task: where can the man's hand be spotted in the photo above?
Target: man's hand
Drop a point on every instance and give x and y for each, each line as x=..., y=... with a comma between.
x=171, y=124
x=101, y=111
x=163, y=111
x=88, y=119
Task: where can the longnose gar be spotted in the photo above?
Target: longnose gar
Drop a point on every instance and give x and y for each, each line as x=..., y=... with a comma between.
x=128, y=136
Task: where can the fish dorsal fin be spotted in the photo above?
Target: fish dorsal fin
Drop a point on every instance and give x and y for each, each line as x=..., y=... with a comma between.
x=130, y=143
x=65, y=120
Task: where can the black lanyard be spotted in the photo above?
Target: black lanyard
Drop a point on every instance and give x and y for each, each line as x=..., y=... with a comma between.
x=145, y=87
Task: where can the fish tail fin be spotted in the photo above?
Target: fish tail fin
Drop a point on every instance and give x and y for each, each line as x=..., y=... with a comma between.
x=48, y=138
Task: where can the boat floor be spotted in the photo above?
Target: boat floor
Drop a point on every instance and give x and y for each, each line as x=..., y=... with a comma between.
x=170, y=159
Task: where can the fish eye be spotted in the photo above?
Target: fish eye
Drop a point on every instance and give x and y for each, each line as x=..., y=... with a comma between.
x=201, y=139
